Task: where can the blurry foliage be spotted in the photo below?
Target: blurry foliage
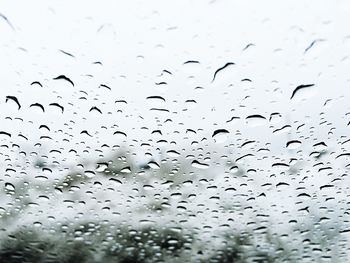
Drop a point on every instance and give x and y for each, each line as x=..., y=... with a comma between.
x=121, y=244
x=30, y=245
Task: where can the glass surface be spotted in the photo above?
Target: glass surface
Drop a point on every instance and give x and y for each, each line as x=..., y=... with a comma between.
x=174, y=131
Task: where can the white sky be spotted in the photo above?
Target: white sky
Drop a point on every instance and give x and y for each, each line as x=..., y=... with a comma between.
x=136, y=40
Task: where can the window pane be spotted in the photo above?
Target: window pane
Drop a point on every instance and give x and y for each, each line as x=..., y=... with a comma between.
x=183, y=131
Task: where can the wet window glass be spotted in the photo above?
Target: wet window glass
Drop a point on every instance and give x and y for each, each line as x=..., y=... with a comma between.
x=174, y=131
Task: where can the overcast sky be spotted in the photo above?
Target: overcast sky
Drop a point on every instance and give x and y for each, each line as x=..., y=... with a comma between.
x=275, y=46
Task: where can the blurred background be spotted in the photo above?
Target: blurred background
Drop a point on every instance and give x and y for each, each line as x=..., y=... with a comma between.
x=174, y=131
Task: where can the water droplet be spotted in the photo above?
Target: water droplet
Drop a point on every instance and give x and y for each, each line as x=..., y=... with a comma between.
x=255, y=120
x=9, y=186
x=220, y=135
x=199, y=165
x=293, y=144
